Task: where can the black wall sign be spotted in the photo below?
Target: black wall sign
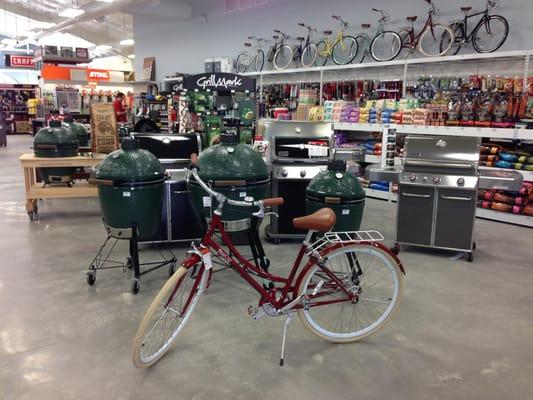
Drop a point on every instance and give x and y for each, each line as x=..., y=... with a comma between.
x=219, y=82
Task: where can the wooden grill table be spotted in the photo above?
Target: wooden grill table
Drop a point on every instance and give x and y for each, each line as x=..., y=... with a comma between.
x=37, y=190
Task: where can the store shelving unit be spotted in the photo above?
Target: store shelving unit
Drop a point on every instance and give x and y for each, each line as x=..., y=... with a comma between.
x=516, y=219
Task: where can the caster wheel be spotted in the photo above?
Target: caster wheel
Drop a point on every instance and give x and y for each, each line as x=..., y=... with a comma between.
x=171, y=269
x=276, y=241
x=469, y=257
x=91, y=277
x=395, y=249
x=474, y=245
x=128, y=264
x=135, y=286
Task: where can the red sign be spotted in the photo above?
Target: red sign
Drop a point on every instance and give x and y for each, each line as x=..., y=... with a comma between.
x=20, y=61
x=97, y=75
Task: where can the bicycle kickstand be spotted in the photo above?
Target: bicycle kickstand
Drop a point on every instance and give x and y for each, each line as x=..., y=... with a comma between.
x=290, y=314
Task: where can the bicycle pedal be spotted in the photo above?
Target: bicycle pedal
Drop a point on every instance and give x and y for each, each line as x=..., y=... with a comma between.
x=255, y=313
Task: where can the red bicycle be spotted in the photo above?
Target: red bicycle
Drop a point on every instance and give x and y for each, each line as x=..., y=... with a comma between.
x=347, y=289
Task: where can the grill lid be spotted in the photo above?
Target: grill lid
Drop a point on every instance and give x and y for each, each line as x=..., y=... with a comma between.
x=55, y=137
x=130, y=164
x=336, y=183
x=443, y=154
x=227, y=162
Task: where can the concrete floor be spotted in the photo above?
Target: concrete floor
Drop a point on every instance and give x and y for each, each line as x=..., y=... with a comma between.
x=463, y=331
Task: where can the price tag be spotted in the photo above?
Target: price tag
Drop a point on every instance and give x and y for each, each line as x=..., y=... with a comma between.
x=126, y=194
x=242, y=194
x=346, y=212
x=207, y=201
x=206, y=258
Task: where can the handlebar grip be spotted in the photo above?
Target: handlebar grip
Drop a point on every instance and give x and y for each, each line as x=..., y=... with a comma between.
x=301, y=24
x=376, y=10
x=194, y=160
x=277, y=30
x=275, y=201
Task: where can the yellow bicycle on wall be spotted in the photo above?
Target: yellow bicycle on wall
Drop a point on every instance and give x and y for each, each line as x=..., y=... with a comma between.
x=342, y=50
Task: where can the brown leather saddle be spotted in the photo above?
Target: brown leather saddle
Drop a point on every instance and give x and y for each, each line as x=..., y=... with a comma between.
x=321, y=221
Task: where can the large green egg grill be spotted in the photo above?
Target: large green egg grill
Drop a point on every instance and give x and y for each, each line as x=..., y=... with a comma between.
x=130, y=189
x=340, y=191
x=79, y=130
x=236, y=171
x=56, y=141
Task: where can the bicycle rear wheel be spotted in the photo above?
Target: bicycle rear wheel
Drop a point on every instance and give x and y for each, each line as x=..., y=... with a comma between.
x=309, y=55
x=457, y=41
x=283, y=57
x=491, y=34
x=242, y=62
x=345, y=50
x=429, y=43
x=386, y=46
x=363, y=269
x=167, y=315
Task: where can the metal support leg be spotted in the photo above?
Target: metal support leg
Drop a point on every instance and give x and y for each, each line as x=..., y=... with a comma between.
x=285, y=327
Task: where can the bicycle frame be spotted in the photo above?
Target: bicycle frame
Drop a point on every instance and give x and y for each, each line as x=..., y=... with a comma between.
x=464, y=23
x=415, y=37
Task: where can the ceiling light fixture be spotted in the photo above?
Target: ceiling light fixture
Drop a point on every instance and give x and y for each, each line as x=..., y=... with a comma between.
x=8, y=41
x=103, y=47
x=127, y=42
x=105, y=1
x=131, y=56
x=71, y=12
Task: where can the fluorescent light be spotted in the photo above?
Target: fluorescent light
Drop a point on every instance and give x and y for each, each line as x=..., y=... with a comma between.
x=8, y=41
x=103, y=47
x=44, y=25
x=71, y=12
x=127, y=42
x=131, y=56
x=105, y=1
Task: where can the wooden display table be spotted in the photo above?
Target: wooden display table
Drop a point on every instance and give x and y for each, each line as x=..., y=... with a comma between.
x=36, y=190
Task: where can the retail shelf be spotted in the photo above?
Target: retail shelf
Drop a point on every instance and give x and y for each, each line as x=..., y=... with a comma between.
x=380, y=194
x=81, y=189
x=500, y=216
x=490, y=57
x=372, y=159
x=496, y=133
x=86, y=83
x=528, y=175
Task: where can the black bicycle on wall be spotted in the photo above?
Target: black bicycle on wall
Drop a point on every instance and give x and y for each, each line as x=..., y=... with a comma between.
x=488, y=35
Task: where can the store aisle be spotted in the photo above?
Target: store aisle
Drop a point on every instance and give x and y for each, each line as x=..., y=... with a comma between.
x=463, y=331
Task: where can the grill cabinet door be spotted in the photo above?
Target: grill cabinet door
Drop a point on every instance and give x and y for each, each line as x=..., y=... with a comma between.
x=455, y=218
x=415, y=214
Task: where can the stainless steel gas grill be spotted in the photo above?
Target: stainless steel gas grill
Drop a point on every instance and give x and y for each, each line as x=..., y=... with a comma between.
x=298, y=151
x=438, y=188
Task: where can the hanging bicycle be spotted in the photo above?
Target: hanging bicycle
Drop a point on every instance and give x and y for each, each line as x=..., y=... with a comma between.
x=428, y=39
x=247, y=59
x=488, y=35
x=282, y=54
x=383, y=46
x=342, y=50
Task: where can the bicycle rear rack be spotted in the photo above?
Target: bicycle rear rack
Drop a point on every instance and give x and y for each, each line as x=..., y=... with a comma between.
x=345, y=238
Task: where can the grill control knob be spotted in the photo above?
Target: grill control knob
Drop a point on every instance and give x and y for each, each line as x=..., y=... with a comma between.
x=412, y=178
x=425, y=179
x=303, y=172
x=284, y=172
x=461, y=181
x=436, y=180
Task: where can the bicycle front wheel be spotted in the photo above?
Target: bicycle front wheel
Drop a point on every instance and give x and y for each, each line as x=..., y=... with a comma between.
x=345, y=50
x=168, y=314
x=309, y=55
x=283, y=57
x=259, y=60
x=491, y=34
x=429, y=43
x=456, y=42
x=365, y=270
x=323, y=54
x=386, y=46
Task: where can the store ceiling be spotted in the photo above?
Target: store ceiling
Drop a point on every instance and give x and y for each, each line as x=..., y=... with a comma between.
x=104, y=22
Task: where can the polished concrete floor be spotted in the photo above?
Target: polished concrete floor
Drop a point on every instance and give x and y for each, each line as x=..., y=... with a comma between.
x=463, y=331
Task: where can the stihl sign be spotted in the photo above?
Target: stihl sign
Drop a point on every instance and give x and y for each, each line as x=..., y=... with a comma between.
x=97, y=75
x=19, y=61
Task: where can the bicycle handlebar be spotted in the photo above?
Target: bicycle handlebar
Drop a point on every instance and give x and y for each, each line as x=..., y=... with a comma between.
x=384, y=15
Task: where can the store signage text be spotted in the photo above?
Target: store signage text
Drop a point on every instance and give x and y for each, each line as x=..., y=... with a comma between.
x=20, y=61
x=97, y=75
x=219, y=81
